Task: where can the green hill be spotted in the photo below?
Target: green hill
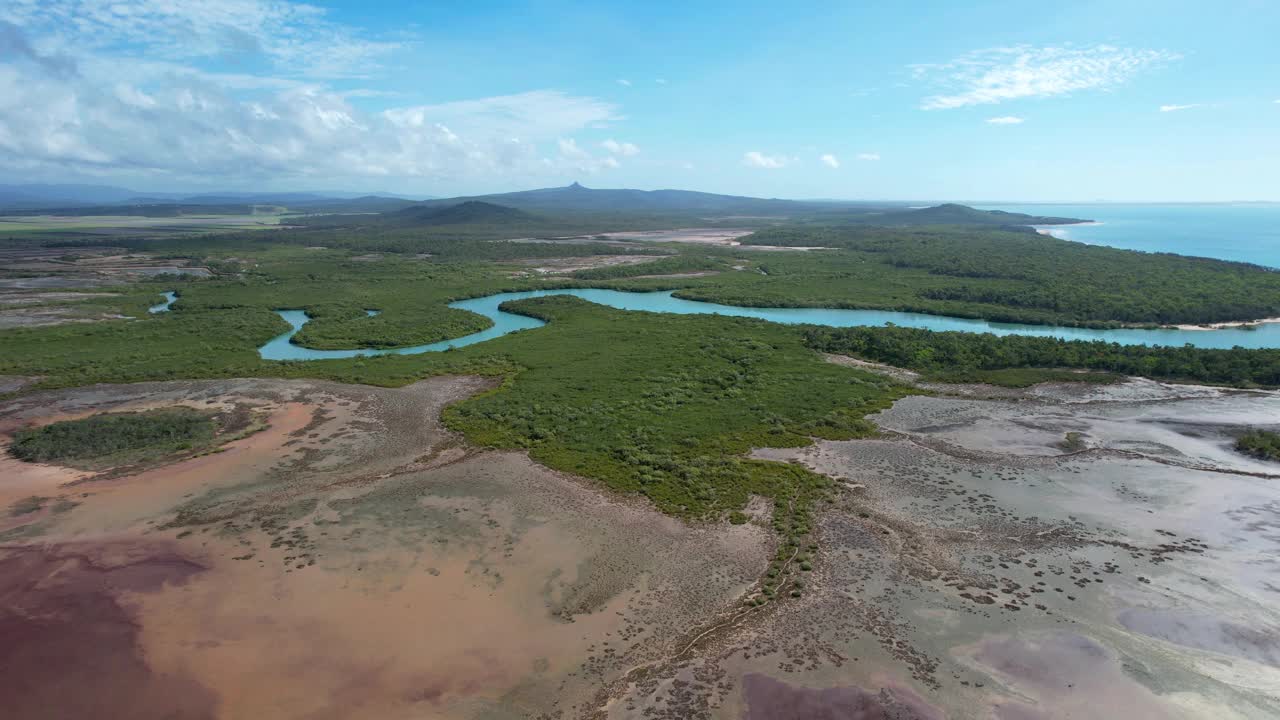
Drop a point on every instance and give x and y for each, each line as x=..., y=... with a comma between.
x=576, y=198
x=946, y=214
x=470, y=212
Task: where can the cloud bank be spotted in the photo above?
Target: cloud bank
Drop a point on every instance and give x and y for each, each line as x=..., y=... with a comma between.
x=76, y=98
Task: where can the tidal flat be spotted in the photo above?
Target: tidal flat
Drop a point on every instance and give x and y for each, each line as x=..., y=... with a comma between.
x=355, y=559
x=351, y=560
x=1008, y=577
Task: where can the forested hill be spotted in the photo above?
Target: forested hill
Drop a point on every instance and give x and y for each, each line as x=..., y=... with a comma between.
x=712, y=207
x=576, y=198
x=464, y=213
x=998, y=275
x=954, y=214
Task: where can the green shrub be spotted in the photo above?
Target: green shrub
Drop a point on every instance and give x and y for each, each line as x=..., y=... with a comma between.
x=112, y=434
x=1262, y=444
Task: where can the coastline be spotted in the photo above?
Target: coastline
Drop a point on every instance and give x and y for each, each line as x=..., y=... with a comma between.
x=1223, y=325
x=1050, y=229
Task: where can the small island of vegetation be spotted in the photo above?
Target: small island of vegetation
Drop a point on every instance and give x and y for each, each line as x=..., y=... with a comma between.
x=1262, y=444
x=112, y=439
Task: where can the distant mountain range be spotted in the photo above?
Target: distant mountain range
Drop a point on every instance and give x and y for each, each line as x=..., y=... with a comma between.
x=468, y=212
x=577, y=198
x=544, y=205
x=60, y=196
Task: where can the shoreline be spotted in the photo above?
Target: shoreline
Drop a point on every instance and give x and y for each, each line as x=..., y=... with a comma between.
x=1050, y=229
x=1225, y=325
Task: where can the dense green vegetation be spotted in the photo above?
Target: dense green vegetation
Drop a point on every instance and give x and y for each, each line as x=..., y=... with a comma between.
x=668, y=406
x=1262, y=444
x=973, y=357
x=1024, y=276
x=945, y=214
x=112, y=435
x=217, y=325
x=663, y=406
x=977, y=272
x=336, y=326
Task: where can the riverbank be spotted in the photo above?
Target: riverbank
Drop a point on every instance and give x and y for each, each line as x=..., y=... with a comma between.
x=1223, y=325
x=280, y=347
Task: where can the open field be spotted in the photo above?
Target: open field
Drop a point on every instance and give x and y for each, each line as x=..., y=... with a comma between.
x=133, y=225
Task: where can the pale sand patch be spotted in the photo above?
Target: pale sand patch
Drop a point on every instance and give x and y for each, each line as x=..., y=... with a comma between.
x=695, y=236
x=1058, y=231
x=1222, y=325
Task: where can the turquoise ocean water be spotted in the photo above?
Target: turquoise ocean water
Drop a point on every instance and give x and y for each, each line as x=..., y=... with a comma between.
x=1244, y=232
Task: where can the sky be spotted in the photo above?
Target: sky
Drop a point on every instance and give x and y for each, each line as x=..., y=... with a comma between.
x=982, y=101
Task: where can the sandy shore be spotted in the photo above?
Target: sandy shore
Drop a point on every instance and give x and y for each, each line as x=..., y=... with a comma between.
x=1224, y=325
x=1052, y=230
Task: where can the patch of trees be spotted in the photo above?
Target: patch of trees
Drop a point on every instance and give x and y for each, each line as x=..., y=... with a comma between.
x=950, y=354
x=340, y=326
x=1075, y=282
x=1262, y=444
x=99, y=436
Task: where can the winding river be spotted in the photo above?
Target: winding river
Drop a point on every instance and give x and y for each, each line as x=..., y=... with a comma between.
x=279, y=348
x=169, y=298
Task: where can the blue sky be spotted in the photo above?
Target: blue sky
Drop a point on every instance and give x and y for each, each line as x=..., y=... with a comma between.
x=928, y=100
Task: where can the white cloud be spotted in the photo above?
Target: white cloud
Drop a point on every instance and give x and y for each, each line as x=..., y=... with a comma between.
x=569, y=148
x=624, y=82
x=760, y=160
x=868, y=156
x=575, y=157
x=1176, y=108
x=830, y=160
x=103, y=114
x=986, y=77
x=660, y=81
x=298, y=39
x=1005, y=120
x=620, y=148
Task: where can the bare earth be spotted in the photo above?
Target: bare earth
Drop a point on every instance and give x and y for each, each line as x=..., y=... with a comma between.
x=354, y=560
x=351, y=561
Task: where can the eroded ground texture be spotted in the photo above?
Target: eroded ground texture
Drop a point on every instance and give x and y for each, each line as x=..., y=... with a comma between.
x=351, y=561
x=354, y=560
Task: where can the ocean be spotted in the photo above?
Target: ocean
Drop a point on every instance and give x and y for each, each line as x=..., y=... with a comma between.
x=1245, y=232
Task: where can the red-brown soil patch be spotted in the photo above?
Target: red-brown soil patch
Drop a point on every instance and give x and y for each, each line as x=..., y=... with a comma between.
x=69, y=641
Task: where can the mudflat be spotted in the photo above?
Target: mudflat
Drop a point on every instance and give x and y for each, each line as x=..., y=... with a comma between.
x=351, y=560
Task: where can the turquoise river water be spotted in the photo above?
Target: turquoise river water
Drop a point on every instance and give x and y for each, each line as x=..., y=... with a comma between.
x=169, y=298
x=279, y=348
